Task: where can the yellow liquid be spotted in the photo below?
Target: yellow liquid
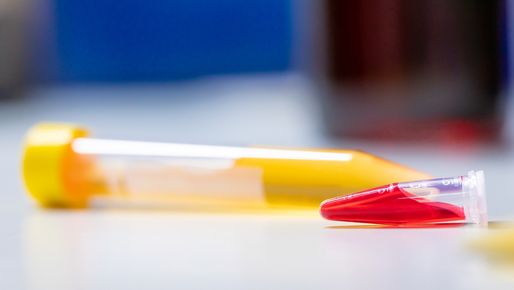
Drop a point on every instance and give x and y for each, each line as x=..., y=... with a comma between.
x=306, y=183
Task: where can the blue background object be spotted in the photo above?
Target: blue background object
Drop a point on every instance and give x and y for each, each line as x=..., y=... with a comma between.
x=136, y=40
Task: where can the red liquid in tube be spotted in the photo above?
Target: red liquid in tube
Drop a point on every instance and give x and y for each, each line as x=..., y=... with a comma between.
x=455, y=199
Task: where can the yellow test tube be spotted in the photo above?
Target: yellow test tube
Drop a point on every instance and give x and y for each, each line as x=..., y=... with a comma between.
x=64, y=167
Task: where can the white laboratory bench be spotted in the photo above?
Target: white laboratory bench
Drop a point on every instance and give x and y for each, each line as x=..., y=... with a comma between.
x=132, y=249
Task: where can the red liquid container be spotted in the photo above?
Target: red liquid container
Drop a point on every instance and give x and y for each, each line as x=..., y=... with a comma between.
x=458, y=199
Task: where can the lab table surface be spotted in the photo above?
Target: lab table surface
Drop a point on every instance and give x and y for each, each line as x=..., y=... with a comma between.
x=142, y=249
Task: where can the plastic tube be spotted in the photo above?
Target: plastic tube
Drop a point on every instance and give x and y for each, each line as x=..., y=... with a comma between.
x=459, y=199
x=64, y=167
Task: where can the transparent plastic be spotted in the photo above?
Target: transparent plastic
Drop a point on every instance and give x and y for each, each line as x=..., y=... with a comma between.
x=132, y=173
x=458, y=199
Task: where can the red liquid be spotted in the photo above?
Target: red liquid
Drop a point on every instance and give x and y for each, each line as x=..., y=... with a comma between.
x=389, y=205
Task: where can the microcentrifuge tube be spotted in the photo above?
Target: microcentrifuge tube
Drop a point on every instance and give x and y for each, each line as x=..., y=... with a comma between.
x=458, y=199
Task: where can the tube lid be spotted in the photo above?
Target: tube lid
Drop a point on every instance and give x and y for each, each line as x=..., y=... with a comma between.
x=475, y=203
x=47, y=164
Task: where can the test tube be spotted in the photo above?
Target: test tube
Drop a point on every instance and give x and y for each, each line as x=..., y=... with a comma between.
x=64, y=167
x=459, y=199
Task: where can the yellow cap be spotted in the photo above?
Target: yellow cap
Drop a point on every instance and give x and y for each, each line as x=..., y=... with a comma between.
x=50, y=166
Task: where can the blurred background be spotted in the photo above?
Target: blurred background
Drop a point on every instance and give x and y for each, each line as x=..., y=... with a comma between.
x=392, y=70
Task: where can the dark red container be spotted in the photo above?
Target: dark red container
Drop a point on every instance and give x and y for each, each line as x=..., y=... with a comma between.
x=416, y=70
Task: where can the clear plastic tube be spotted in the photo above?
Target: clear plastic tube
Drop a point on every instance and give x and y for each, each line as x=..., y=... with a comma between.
x=459, y=199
